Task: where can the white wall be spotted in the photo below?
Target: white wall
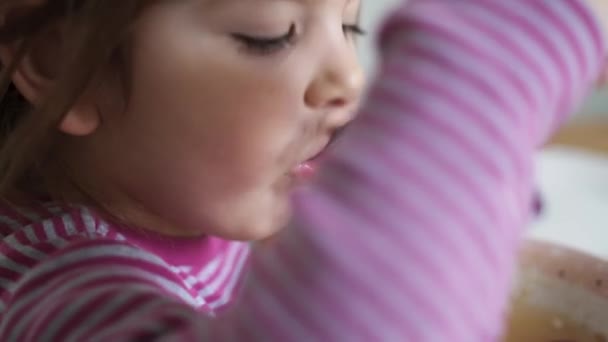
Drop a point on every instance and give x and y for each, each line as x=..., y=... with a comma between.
x=373, y=12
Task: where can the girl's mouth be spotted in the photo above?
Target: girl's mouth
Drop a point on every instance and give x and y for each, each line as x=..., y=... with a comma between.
x=306, y=170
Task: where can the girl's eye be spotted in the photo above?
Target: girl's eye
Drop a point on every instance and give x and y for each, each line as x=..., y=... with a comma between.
x=266, y=45
x=353, y=29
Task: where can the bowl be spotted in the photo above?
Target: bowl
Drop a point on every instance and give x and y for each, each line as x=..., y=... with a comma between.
x=560, y=295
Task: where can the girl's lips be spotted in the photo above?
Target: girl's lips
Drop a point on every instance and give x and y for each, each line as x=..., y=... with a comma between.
x=305, y=170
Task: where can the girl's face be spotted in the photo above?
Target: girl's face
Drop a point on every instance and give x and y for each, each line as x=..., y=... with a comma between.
x=228, y=100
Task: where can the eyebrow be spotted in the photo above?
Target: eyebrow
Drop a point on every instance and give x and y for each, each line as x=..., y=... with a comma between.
x=348, y=3
x=213, y=3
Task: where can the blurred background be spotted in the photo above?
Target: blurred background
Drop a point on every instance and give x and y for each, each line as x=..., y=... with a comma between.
x=572, y=170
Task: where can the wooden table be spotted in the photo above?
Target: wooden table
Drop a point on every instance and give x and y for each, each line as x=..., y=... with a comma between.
x=588, y=134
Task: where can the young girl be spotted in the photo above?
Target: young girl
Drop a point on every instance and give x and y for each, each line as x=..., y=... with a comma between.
x=143, y=139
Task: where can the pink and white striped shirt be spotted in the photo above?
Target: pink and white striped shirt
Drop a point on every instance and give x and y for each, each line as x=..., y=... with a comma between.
x=409, y=235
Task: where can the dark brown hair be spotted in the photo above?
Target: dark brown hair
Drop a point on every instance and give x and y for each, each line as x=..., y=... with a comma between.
x=96, y=29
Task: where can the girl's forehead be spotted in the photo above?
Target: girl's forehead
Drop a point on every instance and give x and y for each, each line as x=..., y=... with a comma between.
x=346, y=3
x=348, y=6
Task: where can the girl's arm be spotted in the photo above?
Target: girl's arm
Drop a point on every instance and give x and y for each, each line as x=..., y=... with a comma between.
x=412, y=231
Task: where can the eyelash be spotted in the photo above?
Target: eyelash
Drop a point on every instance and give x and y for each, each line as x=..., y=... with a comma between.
x=354, y=29
x=267, y=46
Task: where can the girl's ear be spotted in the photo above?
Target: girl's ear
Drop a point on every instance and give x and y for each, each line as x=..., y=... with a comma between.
x=32, y=81
x=36, y=74
x=83, y=119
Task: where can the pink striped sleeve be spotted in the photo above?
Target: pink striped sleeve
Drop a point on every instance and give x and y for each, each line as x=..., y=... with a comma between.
x=411, y=232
